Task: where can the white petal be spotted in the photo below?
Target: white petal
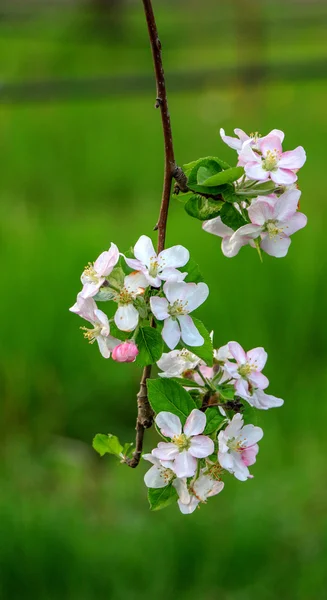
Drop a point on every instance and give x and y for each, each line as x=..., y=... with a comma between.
x=177, y=256
x=181, y=488
x=264, y=401
x=169, y=424
x=171, y=333
x=165, y=451
x=84, y=307
x=171, y=274
x=257, y=357
x=103, y=346
x=233, y=429
x=126, y=317
x=136, y=282
x=91, y=289
x=201, y=446
x=195, y=423
x=102, y=319
x=277, y=246
x=197, y=294
x=217, y=227
x=152, y=459
x=250, y=435
x=239, y=469
x=260, y=212
x=237, y=352
x=154, y=478
x=177, y=290
x=159, y=307
x=187, y=509
x=144, y=250
x=185, y=464
x=105, y=263
x=189, y=332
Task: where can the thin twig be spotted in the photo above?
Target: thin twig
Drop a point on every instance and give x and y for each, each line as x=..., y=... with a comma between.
x=144, y=410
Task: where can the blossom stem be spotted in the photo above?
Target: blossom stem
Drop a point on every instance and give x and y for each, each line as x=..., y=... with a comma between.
x=145, y=413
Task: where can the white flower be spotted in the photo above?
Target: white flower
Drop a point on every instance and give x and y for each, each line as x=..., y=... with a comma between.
x=187, y=445
x=181, y=299
x=203, y=488
x=88, y=310
x=94, y=275
x=176, y=362
x=238, y=447
x=161, y=267
x=127, y=316
x=160, y=474
x=246, y=371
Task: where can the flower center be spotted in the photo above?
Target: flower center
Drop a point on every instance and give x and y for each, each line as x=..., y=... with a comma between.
x=90, y=273
x=271, y=161
x=167, y=474
x=245, y=370
x=177, y=309
x=272, y=229
x=153, y=267
x=234, y=444
x=92, y=334
x=124, y=296
x=182, y=442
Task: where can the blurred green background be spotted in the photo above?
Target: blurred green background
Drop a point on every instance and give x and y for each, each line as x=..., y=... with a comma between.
x=81, y=166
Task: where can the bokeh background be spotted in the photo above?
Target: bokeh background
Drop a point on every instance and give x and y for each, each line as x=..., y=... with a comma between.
x=81, y=166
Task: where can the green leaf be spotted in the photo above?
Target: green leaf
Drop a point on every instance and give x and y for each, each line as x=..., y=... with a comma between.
x=165, y=394
x=117, y=277
x=117, y=333
x=186, y=382
x=161, y=497
x=223, y=177
x=227, y=392
x=150, y=346
x=183, y=197
x=206, y=171
x=231, y=217
x=188, y=168
x=208, y=165
x=259, y=189
x=141, y=306
x=107, y=444
x=206, y=350
x=228, y=193
x=214, y=420
x=193, y=272
x=203, y=208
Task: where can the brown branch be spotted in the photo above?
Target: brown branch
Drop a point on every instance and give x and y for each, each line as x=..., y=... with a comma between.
x=144, y=411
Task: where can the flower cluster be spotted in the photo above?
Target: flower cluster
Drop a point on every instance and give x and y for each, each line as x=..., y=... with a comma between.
x=141, y=288
x=214, y=439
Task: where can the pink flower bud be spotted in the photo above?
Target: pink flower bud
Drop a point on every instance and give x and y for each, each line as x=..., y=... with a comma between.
x=125, y=352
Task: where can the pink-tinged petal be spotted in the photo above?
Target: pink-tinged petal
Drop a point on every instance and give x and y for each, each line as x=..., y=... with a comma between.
x=103, y=346
x=165, y=451
x=298, y=221
x=244, y=137
x=102, y=319
x=277, y=246
x=247, y=155
x=171, y=333
x=154, y=478
x=85, y=308
x=256, y=172
x=185, y=464
x=169, y=424
x=271, y=143
x=286, y=205
x=241, y=237
x=242, y=388
x=187, y=509
x=264, y=401
x=144, y=250
x=240, y=470
x=283, y=176
x=197, y=294
x=217, y=227
x=126, y=317
x=171, y=274
x=260, y=212
x=250, y=435
x=237, y=352
x=234, y=143
x=105, y=263
x=177, y=256
x=249, y=455
x=232, y=370
x=277, y=132
x=91, y=289
x=195, y=423
x=201, y=446
x=181, y=488
x=259, y=380
x=257, y=358
x=136, y=282
x=159, y=307
x=135, y=264
x=189, y=333
x=294, y=159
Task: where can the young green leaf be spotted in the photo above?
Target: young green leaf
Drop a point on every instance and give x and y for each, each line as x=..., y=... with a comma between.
x=165, y=394
x=223, y=177
x=193, y=272
x=186, y=382
x=214, y=420
x=206, y=350
x=107, y=444
x=203, y=208
x=150, y=346
x=231, y=217
x=161, y=497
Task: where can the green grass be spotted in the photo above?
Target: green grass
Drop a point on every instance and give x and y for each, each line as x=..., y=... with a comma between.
x=76, y=527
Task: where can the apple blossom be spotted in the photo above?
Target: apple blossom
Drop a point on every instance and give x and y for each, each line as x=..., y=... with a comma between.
x=231, y=243
x=238, y=447
x=158, y=267
x=88, y=310
x=246, y=371
x=127, y=316
x=125, y=352
x=203, y=488
x=181, y=299
x=242, y=137
x=177, y=362
x=262, y=401
x=160, y=474
x=270, y=162
x=94, y=275
x=187, y=445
